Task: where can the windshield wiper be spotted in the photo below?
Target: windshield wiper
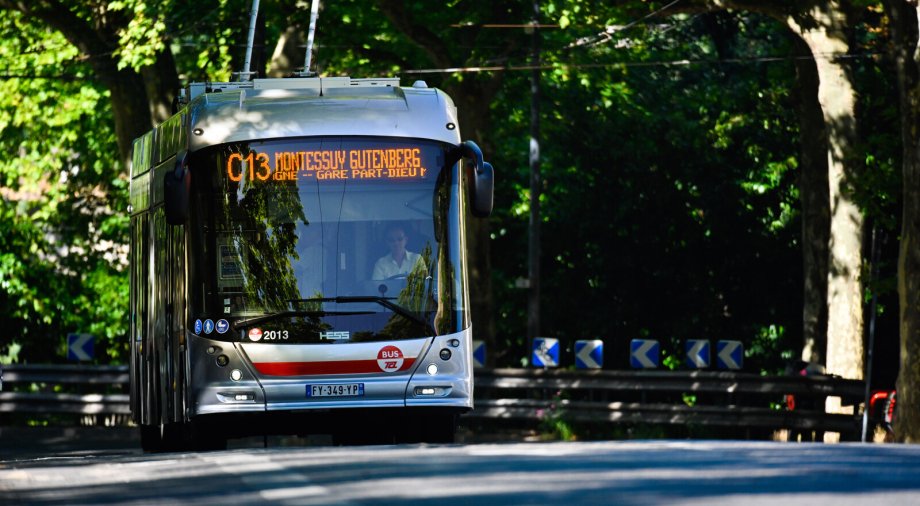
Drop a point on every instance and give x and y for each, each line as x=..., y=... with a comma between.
x=383, y=301
x=282, y=314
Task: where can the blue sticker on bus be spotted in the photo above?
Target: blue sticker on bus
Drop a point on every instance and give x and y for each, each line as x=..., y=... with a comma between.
x=222, y=326
x=208, y=326
x=197, y=326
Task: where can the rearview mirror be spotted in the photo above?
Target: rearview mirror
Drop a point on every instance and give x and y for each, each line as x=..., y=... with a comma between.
x=483, y=178
x=176, y=187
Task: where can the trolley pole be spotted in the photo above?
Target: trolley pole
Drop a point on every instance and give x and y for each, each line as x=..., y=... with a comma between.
x=311, y=33
x=533, y=246
x=246, y=75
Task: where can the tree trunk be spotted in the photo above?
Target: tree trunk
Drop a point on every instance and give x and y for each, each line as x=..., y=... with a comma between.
x=824, y=26
x=98, y=39
x=129, y=106
x=288, y=54
x=814, y=194
x=826, y=34
x=161, y=82
x=904, y=17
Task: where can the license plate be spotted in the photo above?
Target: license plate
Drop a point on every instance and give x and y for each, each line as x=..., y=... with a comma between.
x=336, y=390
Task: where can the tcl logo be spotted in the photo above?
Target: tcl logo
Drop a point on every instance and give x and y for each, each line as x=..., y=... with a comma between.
x=390, y=359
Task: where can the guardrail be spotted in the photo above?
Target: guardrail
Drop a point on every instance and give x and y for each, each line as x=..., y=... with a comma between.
x=524, y=396
x=704, y=398
x=98, y=394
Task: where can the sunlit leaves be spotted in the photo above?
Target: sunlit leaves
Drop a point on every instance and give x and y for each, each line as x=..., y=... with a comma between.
x=61, y=193
x=145, y=35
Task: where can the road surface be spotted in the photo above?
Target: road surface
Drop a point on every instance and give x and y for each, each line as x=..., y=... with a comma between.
x=624, y=472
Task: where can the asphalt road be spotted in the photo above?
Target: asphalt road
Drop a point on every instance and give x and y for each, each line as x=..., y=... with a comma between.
x=626, y=472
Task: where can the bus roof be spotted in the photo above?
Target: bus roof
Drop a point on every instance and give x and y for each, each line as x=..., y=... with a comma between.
x=296, y=107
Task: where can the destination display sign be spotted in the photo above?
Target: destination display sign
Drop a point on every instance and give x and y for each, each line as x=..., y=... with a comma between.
x=402, y=163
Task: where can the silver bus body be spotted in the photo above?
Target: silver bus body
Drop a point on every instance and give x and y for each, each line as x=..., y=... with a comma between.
x=183, y=372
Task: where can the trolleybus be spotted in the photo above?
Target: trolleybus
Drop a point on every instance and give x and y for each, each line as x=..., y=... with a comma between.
x=261, y=214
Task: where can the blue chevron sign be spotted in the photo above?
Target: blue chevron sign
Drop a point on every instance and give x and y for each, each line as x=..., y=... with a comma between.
x=479, y=353
x=589, y=354
x=729, y=355
x=644, y=353
x=698, y=356
x=80, y=347
x=545, y=352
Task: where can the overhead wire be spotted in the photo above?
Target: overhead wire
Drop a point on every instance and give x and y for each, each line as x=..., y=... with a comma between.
x=607, y=35
x=552, y=66
x=659, y=63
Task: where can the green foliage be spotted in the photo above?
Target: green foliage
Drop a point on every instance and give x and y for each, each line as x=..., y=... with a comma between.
x=769, y=351
x=61, y=222
x=553, y=423
x=145, y=35
x=672, y=361
x=670, y=200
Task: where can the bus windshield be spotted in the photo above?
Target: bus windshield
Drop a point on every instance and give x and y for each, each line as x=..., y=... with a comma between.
x=326, y=240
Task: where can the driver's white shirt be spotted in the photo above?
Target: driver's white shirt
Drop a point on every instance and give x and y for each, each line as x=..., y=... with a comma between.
x=387, y=267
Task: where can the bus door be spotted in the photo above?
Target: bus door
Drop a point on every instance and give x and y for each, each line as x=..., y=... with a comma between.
x=159, y=337
x=166, y=344
x=154, y=350
x=175, y=309
x=140, y=290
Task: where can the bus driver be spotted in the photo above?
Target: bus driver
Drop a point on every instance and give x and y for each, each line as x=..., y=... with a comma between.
x=400, y=261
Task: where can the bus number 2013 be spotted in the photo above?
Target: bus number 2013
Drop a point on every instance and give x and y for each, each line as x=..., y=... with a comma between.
x=275, y=335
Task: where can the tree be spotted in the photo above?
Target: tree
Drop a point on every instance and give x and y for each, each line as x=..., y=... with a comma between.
x=85, y=85
x=825, y=28
x=62, y=252
x=905, y=30
x=94, y=28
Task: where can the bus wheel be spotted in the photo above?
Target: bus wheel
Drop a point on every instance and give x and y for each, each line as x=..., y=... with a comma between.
x=151, y=438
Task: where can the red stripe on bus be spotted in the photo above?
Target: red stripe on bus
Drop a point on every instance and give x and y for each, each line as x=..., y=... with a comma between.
x=319, y=368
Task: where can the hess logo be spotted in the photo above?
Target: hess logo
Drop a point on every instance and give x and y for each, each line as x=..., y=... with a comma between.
x=255, y=334
x=390, y=359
